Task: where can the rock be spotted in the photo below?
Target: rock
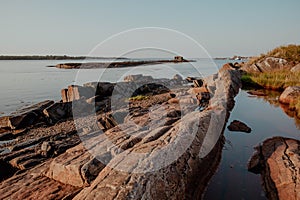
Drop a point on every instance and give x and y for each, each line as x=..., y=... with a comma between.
x=268, y=64
x=177, y=77
x=33, y=185
x=198, y=83
x=290, y=95
x=103, y=89
x=61, y=111
x=75, y=92
x=26, y=117
x=191, y=79
x=227, y=66
x=138, y=78
x=277, y=160
x=239, y=126
x=5, y=135
x=58, y=111
x=185, y=178
x=197, y=90
x=77, y=166
x=150, y=88
x=296, y=68
x=47, y=149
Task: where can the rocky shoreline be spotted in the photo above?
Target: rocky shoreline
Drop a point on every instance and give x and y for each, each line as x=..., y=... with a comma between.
x=48, y=154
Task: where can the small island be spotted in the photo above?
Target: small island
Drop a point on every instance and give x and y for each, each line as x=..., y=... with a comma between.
x=117, y=64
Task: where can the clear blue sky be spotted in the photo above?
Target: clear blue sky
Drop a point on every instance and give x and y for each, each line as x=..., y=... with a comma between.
x=224, y=28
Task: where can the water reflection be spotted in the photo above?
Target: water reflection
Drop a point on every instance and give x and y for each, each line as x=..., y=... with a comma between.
x=272, y=97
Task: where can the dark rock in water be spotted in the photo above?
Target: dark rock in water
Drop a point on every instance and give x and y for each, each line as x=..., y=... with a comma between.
x=239, y=126
x=178, y=77
x=277, y=160
x=25, y=117
x=254, y=164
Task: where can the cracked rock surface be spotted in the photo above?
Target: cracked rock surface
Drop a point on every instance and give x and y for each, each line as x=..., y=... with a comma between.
x=278, y=162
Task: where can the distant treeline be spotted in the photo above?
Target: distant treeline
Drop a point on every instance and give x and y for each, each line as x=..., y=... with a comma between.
x=53, y=57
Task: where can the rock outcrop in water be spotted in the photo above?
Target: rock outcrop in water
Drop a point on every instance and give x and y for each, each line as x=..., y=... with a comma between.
x=155, y=147
x=236, y=125
x=277, y=160
x=291, y=97
x=95, y=65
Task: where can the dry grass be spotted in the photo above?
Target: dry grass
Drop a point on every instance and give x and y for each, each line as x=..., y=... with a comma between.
x=291, y=53
x=273, y=80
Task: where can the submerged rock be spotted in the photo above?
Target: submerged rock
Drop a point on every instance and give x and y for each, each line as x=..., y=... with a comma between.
x=277, y=160
x=236, y=125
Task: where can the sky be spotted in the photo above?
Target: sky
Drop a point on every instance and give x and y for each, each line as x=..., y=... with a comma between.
x=222, y=28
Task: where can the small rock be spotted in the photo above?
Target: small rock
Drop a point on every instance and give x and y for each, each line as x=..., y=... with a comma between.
x=177, y=77
x=296, y=68
x=46, y=149
x=198, y=83
x=239, y=126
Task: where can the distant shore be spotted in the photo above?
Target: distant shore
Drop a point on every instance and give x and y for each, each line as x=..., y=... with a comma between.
x=55, y=57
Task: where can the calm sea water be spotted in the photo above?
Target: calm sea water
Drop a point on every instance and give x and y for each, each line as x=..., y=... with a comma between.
x=26, y=82
x=232, y=180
